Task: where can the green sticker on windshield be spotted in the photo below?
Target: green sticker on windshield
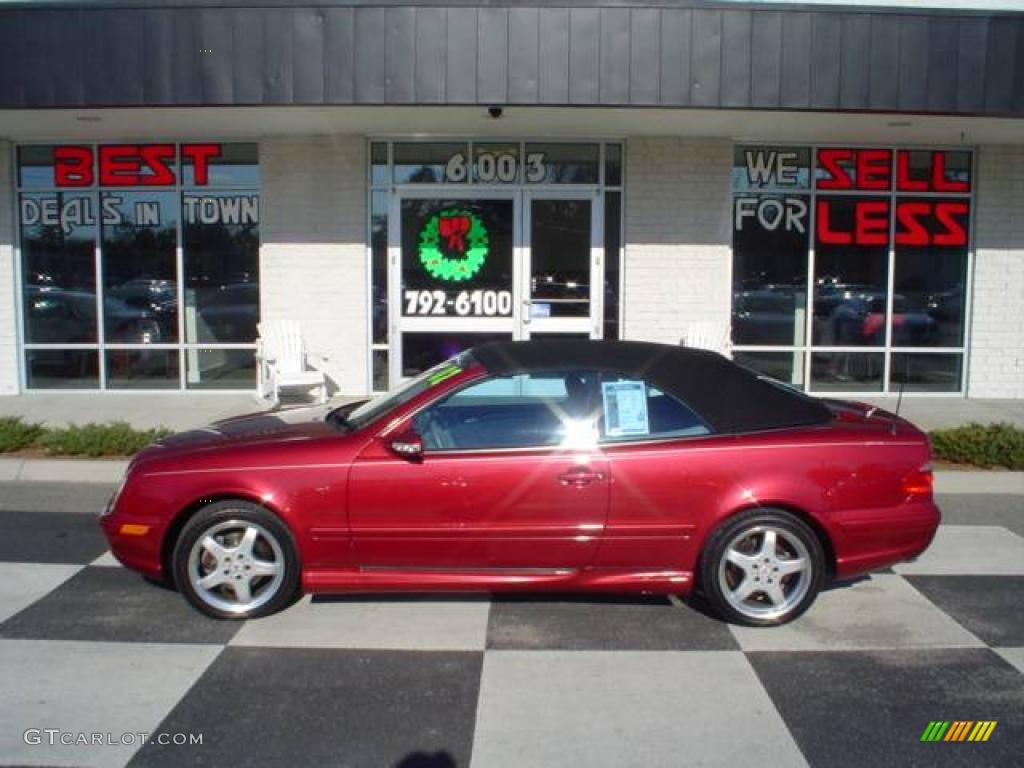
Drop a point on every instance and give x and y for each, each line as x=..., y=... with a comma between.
x=445, y=373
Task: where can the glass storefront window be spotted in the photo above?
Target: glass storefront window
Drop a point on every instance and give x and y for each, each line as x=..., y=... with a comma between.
x=220, y=165
x=770, y=238
x=421, y=351
x=62, y=368
x=555, y=163
x=122, y=206
x=140, y=289
x=58, y=257
x=851, y=262
x=221, y=252
x=930, y=273
x=431, y=162
x=887, y=233
x=379, y=266
x=220, y=368
x=787, y=367
x=143, y=368
x=847, y=371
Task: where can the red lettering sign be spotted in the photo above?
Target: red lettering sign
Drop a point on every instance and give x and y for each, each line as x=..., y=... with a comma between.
x=829, y=160
x=72, y=166
x=870, y=223
x=130, y=165
x=200, y=154
x=873, y=168
x=935, y=178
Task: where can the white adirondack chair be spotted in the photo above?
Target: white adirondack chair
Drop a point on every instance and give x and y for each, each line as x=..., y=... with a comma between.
x=708, y=334
x=282, y=360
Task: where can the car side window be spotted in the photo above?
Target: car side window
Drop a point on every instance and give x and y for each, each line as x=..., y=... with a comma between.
x=535, y=410
x=632, y=409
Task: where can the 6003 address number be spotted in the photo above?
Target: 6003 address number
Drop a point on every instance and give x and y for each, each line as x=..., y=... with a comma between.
x=477, y=303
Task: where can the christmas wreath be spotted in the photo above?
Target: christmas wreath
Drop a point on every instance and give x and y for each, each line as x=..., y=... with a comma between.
x=453, y=244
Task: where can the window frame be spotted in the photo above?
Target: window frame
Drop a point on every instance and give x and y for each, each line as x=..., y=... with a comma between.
x=805, y=352
x=96, y=190
x=600, y=445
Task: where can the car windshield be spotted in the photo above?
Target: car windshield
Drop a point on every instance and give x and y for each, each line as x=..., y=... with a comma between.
x=372, y=410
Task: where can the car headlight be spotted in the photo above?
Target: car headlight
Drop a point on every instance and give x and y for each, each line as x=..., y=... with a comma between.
x=112, y=501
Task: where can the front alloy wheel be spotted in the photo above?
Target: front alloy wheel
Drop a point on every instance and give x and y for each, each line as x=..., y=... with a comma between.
x=763, y=568
x=236, y=560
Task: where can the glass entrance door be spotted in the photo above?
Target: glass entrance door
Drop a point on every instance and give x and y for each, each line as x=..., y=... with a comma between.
x=499, y=264
x=561, y=294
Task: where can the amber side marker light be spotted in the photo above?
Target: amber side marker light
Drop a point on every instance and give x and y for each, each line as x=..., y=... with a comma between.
x=918, y=482
x=134, y=529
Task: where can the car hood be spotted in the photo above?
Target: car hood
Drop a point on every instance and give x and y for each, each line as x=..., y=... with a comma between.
x=271, y=426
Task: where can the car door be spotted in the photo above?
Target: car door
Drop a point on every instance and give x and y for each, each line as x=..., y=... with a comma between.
x=662, y=477
x=510, y=477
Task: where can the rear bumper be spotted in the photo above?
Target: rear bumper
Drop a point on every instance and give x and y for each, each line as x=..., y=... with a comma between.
x=866, y=540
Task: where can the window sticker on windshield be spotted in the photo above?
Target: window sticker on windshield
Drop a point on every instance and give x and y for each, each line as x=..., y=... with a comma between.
x=625, y=408
x=445, y=373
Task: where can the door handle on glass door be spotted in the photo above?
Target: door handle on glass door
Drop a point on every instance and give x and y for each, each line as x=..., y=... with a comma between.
x=580, y=476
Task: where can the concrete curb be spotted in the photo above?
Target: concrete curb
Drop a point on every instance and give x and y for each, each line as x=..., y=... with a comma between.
x=106, y=471
x=61, y=470
x=955, y=481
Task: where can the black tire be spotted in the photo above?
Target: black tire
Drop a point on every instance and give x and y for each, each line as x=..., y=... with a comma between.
x=776, y=597
x=274, y=547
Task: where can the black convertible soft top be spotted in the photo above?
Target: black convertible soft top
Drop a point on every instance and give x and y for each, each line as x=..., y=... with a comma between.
x=728, y=397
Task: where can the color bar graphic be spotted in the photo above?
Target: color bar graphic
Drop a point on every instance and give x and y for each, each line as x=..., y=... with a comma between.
x=958, y=730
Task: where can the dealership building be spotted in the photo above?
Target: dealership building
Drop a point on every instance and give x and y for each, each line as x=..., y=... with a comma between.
x=835, y=188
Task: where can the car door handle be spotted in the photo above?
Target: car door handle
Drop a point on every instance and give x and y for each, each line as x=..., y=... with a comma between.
x=580, y=476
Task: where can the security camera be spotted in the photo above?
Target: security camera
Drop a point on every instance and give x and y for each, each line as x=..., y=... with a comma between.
x=495, y=112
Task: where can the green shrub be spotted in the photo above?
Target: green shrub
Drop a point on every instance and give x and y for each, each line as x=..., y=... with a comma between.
x=117, y=438
x=984, y=445
x=17, y=435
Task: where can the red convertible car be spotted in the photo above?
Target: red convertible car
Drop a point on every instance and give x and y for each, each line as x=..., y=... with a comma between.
x=539, y=465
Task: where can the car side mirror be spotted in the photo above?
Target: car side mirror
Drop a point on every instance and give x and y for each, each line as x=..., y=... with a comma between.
x=408, y=444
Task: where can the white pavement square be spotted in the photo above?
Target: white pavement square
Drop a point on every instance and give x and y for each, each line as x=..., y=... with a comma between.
x=395, y=624
x=974, y=549
x=106, y=560
x=1013, y=655
x=89, y=687
x=626, y=708
x=882, y=611
x=21, y=584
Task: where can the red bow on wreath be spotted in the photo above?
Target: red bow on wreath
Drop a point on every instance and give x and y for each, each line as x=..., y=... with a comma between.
x=454, y=229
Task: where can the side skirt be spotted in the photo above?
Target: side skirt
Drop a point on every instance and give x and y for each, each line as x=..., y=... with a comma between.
x=342, y=580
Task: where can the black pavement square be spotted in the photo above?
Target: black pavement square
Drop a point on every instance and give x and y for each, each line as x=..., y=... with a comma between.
x=50, y=537
x=871, y=708
x=636, y=623
x=317, y=707
x=992, y=607
x=114, y=604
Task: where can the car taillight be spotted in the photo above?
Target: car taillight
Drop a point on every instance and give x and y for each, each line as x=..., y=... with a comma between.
x=918, y=482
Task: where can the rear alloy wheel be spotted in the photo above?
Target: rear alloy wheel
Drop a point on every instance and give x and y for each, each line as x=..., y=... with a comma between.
x=762, y=568
x=236, y=560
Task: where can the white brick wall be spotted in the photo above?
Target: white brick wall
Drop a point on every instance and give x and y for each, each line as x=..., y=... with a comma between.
x=997, y=331
x=313, y=250
x=8, y=289
x=678, y=259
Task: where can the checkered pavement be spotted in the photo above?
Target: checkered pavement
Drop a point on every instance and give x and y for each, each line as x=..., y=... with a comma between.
x=88, y=647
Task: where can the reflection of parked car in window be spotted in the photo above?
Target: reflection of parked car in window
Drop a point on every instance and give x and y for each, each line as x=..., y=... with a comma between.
x=765, y=316
x=229, y=313
x=69, y=317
